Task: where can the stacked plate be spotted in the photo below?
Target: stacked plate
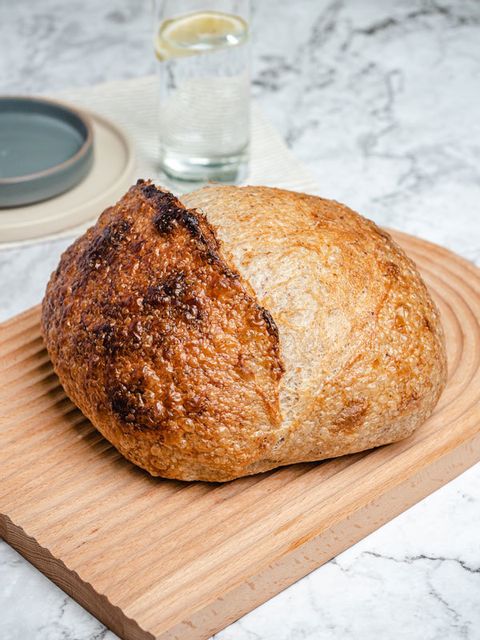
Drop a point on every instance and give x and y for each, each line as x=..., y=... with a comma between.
x=58, y=167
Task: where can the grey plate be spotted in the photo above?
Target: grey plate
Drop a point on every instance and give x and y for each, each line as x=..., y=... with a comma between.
x=45, y=149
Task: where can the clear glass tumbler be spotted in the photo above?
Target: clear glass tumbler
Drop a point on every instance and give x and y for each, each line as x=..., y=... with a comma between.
x=203, y=52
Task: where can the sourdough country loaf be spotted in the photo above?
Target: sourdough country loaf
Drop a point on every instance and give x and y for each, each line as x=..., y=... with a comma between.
x=241, y=329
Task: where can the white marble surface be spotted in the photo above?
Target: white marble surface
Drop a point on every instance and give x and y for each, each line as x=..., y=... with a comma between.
x=380, y=99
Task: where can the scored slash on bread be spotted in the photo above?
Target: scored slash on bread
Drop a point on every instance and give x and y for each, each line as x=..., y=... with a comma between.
x=241, y=329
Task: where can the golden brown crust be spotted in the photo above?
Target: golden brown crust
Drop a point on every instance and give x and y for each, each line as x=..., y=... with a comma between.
x=161, y=343
x=306, y=334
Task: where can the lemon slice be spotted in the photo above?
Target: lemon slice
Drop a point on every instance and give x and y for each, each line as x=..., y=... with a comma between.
x=199, y=32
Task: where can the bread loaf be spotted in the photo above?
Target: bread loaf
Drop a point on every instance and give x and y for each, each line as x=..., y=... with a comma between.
x=241, y=329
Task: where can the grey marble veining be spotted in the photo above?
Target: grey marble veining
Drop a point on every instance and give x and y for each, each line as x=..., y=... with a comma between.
x=380, y=100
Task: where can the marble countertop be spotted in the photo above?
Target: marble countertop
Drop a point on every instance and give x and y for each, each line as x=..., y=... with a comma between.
x=380, y=100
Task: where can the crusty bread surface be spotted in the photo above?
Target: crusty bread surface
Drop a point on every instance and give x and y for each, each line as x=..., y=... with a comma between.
x=241, y=329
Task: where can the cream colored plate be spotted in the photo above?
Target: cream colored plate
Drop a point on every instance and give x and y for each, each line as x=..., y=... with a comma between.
x=109, y=178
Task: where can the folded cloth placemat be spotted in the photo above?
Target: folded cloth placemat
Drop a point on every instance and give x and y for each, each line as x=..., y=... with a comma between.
x=131, y=104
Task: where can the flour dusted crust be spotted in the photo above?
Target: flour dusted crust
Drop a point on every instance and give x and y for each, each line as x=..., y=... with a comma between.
x=244, y=329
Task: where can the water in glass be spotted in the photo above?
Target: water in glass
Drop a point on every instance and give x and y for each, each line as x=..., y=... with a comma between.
x=204, y=95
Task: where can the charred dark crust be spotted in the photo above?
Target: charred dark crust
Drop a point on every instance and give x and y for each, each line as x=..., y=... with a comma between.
x=121, y=403
x=174, y=287
x=102, y=250
x=170, y=212
x=177, y=293
x=174, y=296
x=105, y=332
x=269, y=322
x=127, y=403
x=103, y=246
x=167, y=215
x=278, y=367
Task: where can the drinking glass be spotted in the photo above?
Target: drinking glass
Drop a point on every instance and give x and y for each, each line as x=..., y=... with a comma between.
x=203, y=53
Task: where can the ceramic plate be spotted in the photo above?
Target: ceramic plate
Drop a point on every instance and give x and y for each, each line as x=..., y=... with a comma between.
x=45, y=149
x=110, y=176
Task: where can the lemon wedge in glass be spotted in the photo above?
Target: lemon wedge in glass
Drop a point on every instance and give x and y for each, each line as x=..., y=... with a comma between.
x=199, y=32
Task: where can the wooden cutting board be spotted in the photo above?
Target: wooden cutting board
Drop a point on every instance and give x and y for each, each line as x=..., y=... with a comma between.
x=155, y=558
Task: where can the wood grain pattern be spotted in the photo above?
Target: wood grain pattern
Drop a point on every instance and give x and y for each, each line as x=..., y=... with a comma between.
x=156, y=558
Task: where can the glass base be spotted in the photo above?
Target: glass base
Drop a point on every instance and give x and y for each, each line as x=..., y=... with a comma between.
x=228, y=169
